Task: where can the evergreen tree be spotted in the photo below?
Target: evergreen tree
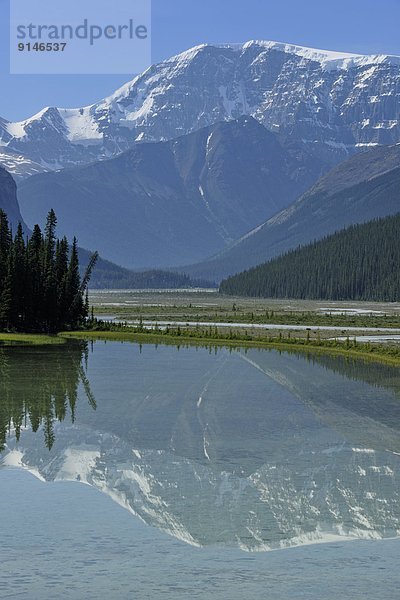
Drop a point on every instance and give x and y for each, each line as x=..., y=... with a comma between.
x=34, y=279
x=40, y=284
x=5, y=242
x=50, y=281
x=73, y=282
x=18, y=279
x=61, y=270
x=5, y=281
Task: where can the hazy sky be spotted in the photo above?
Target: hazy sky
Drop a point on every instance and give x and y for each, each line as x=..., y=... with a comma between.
x=361, y=26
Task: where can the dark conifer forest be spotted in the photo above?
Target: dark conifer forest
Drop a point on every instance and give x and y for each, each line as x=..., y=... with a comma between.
x=40, y=286
x=358, y=263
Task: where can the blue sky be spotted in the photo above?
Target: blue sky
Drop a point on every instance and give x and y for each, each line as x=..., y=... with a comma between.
x=361, y=26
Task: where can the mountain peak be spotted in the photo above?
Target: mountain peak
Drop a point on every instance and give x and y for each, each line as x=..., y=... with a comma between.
x=190, y=53
x=288, y=88
x=329, y=59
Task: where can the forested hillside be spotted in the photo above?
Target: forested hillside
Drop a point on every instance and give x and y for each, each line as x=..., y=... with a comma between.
x=358, y=263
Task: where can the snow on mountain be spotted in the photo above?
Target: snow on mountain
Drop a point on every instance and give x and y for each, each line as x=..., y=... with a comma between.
x=18, y=165
x=327, y=58
x=81, y=127
x=335, y=102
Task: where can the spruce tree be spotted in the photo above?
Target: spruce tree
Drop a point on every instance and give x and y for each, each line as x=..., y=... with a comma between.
x=73, y=293
x=34, y=279
x=40, y=284
x=5, y=282
x=18, y=279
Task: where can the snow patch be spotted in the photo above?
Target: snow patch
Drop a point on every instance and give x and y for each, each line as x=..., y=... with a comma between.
x=78, y=463
x=16, y=130
x=14, y=459
x=81, y=127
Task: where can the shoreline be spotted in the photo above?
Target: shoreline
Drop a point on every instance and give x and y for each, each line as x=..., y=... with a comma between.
x=348, y=348
x=388, y=355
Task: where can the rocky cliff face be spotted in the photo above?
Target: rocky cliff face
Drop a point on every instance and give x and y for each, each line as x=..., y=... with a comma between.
x=8, y=199
x=335, y=103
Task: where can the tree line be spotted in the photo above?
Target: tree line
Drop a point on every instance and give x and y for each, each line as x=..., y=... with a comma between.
x=361, y=262
x=40, y=286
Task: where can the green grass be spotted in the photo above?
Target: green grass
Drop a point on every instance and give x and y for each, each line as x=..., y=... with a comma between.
x=380, y=353
x=29, y=339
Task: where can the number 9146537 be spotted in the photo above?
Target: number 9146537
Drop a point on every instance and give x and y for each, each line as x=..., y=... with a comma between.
x=42, y=47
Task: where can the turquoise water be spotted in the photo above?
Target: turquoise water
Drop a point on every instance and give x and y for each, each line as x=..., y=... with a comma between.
x=198, y=461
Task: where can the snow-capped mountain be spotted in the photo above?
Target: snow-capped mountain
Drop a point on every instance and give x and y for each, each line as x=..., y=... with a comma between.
x=334, y=102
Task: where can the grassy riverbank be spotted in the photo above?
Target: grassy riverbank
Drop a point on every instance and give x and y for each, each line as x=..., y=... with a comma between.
x=208, y=335
x=29, y=339
x=383, y=353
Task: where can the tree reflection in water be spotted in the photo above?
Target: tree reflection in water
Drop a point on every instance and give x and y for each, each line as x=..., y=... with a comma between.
x=39, y=386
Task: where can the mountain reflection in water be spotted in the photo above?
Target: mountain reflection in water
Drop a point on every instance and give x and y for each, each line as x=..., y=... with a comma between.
x=255, y=448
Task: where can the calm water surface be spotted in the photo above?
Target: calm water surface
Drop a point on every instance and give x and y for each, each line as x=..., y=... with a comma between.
x=197, y=462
